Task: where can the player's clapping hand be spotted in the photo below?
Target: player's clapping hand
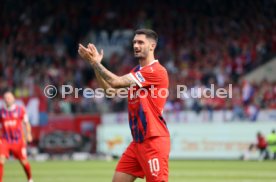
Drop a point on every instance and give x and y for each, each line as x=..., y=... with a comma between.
x=90, y=53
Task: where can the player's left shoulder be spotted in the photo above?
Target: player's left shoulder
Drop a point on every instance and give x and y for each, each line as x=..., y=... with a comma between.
x=21, y=108
x=157, y=67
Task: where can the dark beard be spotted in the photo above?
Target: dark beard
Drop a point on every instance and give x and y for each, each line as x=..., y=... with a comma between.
x=139, y=57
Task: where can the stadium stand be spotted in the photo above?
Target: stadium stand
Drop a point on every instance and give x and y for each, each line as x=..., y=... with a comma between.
x=266, y=71
x=201, y=42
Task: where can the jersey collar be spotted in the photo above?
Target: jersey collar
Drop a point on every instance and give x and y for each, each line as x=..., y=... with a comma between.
x=11, y=108
x=154, y=61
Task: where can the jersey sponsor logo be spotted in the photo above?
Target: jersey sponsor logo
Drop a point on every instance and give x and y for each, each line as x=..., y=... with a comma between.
x=140, y=76
x=10, y=123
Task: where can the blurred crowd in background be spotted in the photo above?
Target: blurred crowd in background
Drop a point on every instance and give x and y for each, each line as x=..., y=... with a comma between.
x=200, y=43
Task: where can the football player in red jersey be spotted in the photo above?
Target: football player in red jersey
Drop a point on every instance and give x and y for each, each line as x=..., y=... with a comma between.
x=12, y=117
x=148, y=153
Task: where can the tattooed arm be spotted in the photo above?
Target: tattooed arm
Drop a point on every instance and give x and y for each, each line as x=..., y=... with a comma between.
x=107, y=88
x=113, y=80
x=94, y=58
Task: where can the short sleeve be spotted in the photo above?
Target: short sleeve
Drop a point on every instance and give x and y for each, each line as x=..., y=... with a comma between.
x=148, y=77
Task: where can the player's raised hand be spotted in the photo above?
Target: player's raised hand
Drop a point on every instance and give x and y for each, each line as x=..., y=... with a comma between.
x=85, y=53
x=98, y=56
x=90, y=53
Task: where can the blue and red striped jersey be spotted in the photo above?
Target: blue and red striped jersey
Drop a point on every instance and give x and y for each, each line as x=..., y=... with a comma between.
x=11, y=123
x=146, y=101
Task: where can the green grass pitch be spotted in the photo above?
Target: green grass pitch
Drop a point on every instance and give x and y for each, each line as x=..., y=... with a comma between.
x=180, y=171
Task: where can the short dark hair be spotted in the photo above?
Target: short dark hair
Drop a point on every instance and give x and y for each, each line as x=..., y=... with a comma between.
x=7, y=90
x=148, y=32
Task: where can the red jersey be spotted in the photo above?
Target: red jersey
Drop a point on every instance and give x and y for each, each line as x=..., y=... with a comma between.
x=11, y=123
x=146, y=101
x=261, y=142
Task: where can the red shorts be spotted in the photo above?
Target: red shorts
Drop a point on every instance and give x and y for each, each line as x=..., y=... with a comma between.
x=18, y=149
x=150, y=159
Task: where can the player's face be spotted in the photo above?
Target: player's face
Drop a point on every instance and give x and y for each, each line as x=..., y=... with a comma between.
x=141, y=46
x=9, y=99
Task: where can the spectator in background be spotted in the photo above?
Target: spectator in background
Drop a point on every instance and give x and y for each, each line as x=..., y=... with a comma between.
x=38, y=50
x=237, y=110
x=251, y=111
x=247, y=92
x=262, y=147
x=271, y=141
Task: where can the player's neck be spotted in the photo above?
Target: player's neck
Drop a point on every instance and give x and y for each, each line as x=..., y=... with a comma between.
x=146, y=61
x=9, y=107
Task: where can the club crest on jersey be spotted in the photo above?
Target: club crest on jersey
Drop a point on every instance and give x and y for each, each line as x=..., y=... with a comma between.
x=140, y=76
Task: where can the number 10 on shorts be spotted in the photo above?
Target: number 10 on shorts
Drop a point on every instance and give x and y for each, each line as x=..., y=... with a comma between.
x=154, y=165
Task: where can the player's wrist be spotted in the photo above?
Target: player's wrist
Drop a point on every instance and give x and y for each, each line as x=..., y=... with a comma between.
x=93, y=63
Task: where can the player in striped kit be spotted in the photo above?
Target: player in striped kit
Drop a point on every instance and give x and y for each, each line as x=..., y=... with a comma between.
x=148, y=153
x=12, y=138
